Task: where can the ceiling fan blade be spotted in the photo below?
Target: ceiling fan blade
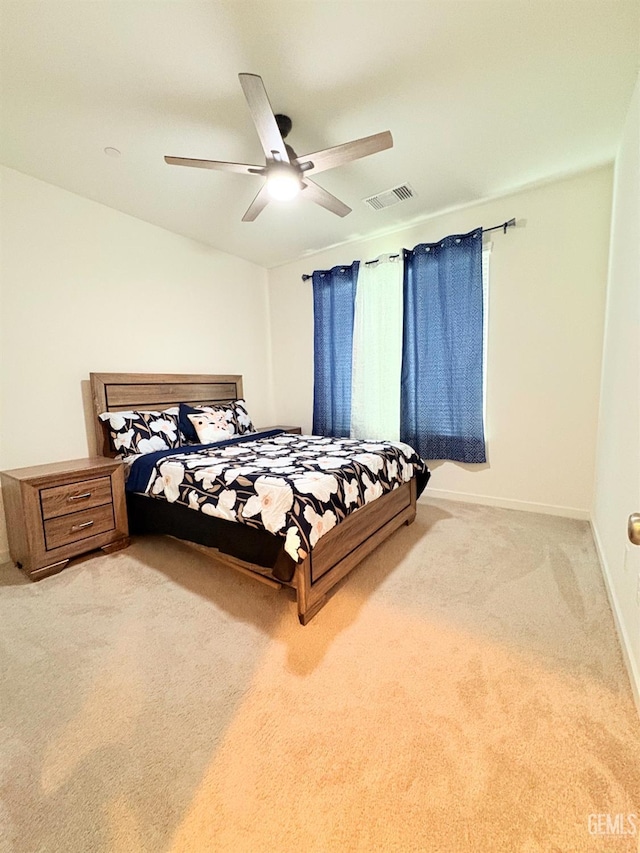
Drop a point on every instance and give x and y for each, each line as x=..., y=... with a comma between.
x=318, y=194
x=219, y=165
x=257, y=205
x=263, y=118
x=339, y=154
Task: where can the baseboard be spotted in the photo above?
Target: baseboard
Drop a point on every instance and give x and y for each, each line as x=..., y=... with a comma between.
x=632, y=666
x=506, y=503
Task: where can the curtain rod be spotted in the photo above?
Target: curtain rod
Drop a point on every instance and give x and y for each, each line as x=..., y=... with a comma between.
x=510, y=223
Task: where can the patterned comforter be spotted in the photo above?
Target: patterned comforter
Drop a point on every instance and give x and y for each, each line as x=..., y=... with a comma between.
x=296, y=487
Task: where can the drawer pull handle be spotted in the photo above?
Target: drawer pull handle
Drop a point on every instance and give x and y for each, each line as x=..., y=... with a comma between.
x=77, y=527
x=79, y=497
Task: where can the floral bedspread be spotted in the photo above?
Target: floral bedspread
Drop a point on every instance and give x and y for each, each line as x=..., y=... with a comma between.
x=297, y=487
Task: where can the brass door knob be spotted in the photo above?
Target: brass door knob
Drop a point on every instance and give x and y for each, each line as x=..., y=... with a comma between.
x=633, y=528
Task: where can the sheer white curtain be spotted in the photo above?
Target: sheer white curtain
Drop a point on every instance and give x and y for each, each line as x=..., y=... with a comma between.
x=377, y=350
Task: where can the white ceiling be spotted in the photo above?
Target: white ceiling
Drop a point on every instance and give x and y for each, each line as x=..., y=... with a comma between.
x=482, y=97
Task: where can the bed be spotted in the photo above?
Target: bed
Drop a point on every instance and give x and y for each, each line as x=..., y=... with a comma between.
x=309, y=559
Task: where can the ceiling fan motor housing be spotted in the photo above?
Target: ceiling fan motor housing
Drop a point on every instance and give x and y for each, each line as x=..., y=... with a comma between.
x=284, y=124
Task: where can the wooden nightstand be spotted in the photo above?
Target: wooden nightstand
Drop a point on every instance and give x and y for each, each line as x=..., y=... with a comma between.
x=294, y=430
x=64, y=510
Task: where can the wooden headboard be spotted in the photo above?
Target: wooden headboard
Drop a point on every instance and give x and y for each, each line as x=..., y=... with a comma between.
x=118, y=392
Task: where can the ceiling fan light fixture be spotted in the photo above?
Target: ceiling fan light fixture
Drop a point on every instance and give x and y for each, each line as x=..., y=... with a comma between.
x=283, y=183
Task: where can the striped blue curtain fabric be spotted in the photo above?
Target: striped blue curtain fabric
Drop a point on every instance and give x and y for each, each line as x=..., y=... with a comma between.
x=441, y=412
x=334, y=294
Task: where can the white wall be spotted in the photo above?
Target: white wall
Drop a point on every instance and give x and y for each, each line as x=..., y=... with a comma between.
x=547, y=294
x=86, y=288
x=617, y=490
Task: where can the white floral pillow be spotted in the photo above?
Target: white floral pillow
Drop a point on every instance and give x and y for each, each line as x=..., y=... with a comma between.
x=232, y=417
x=212, y=426
x=132, y=433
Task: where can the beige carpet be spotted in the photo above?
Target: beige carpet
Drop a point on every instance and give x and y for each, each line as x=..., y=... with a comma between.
x=462, y=691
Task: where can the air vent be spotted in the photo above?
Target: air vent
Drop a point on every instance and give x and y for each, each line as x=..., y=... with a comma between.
x=389, y=197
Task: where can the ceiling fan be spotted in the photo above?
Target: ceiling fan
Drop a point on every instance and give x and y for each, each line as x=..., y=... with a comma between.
x=285, y=173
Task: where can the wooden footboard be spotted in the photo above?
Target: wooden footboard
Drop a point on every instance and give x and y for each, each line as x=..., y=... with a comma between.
x=338, y=551
x=346, y=545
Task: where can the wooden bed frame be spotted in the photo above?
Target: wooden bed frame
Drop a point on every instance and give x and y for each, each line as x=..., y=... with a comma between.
x=335, y=554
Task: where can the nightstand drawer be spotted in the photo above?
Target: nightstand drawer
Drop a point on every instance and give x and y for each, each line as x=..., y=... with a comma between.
x=73, y=497
x=80, y=525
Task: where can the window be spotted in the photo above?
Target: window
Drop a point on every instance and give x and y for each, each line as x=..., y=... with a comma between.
x=417, y=368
